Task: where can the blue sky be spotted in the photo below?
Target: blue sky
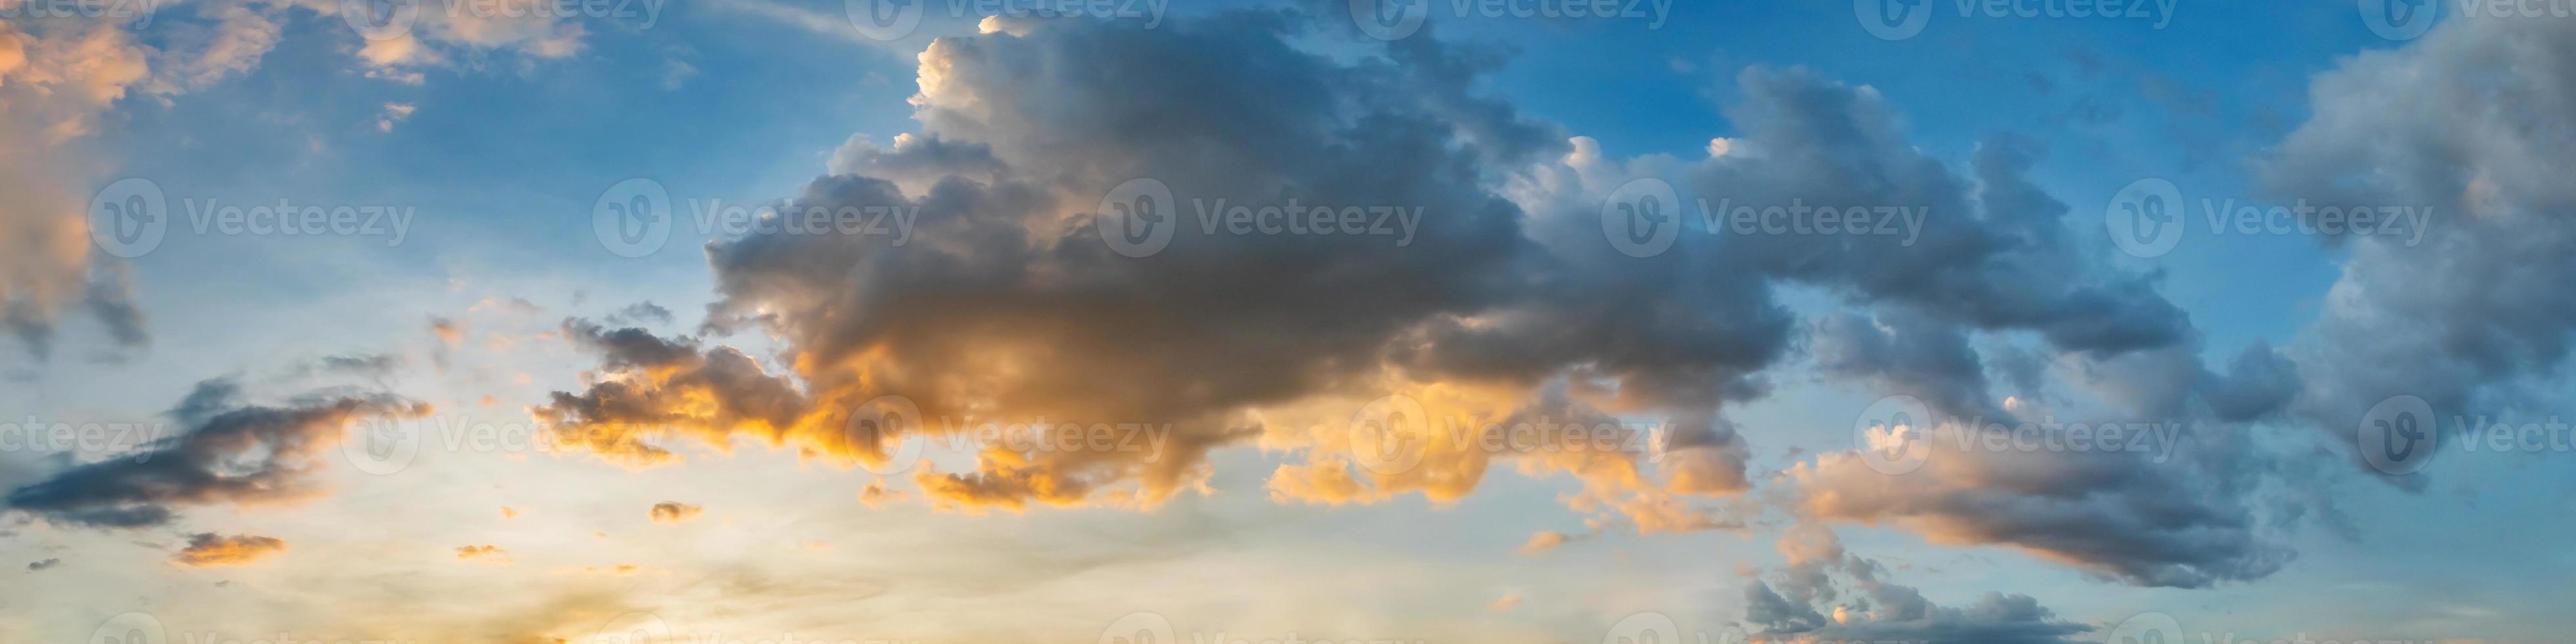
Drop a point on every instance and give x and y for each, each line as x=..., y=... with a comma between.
x=493, y=302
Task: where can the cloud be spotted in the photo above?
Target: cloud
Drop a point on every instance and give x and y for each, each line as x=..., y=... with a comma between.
x=2465, y=124
x=394, y=113
x=41, y=565
x=1543, y=541
x=1005, y=304
x=208, y=550
x=484, y=553
x=440, y=37
x=229, y=453
x=1002, y=301
x=674, y=512
x=641, y=313
x=56, y=77
x=448, y=331
x=1828, y=595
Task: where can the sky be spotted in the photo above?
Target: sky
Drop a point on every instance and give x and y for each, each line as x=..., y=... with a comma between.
x=1269, y=321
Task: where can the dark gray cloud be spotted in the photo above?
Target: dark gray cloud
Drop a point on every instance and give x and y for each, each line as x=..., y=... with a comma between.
x=229, y=452
x=41, y=565
x=641, y=313
x=2176, y=501
x=110, y=298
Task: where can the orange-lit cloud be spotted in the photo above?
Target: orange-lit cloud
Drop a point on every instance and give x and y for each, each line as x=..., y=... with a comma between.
x=674, y=512
x=208, y=550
